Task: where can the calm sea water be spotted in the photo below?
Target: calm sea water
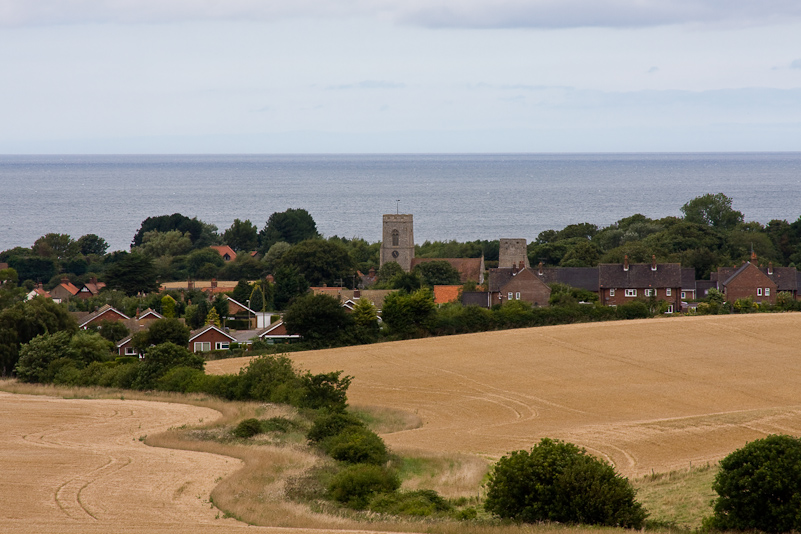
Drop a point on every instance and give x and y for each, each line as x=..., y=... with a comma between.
x=462, y=197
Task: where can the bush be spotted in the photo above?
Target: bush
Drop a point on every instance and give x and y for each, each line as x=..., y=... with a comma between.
x=759, y=487
x=357, y=445
x=248, y=428
x=160, y=359
x=330, y=425
x=417, y=503
x=356, y=485
x=558, y=481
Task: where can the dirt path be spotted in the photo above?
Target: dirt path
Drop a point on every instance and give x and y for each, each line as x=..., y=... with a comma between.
x=653, y=394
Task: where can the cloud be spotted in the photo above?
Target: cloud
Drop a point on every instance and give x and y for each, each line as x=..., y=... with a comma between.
x=367, y=84
x=796, y=64
x=428, y=13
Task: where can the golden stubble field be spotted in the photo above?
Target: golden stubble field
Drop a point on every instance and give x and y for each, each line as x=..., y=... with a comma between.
x=654, y=394
x=647, y=395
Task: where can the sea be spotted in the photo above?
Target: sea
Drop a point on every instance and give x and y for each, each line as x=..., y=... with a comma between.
x=460, y=197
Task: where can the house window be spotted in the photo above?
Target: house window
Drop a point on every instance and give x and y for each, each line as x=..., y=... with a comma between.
x=668, y=292
x=683, y=295
x=649, y=293
x=130, y=351
x=395, y=238
x=202, y=346
x=517, y=295
x=767, y=291
x=670, y=309
x=509, y=296
x=759, y=292
x=221, y=345
x=611, y=292
x=631, y=292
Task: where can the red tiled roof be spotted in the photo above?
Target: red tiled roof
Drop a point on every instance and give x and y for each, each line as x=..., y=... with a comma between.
x=225, y=249
x=69, y=287
x=445, y=294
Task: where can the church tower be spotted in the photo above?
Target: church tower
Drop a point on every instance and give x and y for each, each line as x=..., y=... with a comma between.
x=513, y=254
x=397, y=243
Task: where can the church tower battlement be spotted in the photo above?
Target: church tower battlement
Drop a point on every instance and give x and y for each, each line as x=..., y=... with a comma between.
x=512, y=254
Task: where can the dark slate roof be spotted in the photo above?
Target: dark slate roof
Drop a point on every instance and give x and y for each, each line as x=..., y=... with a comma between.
x=499, y=277
x=688, y=279
x=580, y=277
x=639, y=275
x=727, y=279
x=702, y=286
x=785, y=278
x=475, y=298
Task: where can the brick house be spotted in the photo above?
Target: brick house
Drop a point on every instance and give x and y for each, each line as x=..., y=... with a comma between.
x=209, y=338
x=620, y=283
x=517, y=284
x=276, y=332
x=745, y=281
x=105, y=313
x=90, y=289
x=579, y=277
x=785, y=278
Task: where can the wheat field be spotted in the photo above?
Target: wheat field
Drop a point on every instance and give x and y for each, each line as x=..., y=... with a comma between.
x=651, y=395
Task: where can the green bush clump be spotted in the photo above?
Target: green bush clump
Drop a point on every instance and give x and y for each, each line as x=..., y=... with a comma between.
x=247, y=428
x=356, y=485
x=357, y=445
x=278, y=424
x=331, y=424
x=558, y=481
x=759, y=487
x=421, y=503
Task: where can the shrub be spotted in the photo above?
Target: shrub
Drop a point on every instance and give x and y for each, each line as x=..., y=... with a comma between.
x=558, y=481
x=330, y=425
x=160, y=359
x=759, y=487
x=182, y=380
x=278, y=424
x=417, y=503
x=247, y=428
x=356, y=485
x=357, y=445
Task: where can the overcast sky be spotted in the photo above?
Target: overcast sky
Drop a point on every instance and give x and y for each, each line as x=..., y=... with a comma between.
x=398, y=76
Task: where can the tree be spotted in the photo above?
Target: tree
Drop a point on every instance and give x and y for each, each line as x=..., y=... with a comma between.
x=387, y=272
x=55, y=246
x=200, y=233
x=160, y=359
x=112, y=330
x=320, y=262
x=292, y=226
x=365, y=320
x=168, y=307
x=92, y=244
x=409, y=314
x=213, y=318
x=319, y=319
x=24, y=321
x=437, y=273
x=557, y=481
x=134, y=273
x=712, y=210
x=170, y=243
x=162, y=331
x=759, y=487
x=242, y=235
x=203, y=261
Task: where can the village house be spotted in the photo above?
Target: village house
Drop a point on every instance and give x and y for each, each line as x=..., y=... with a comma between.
x=104, y=313
x=745, y=281
x=210, y=338
x=64, y=291
x=506, y=284
x=90, y=289
x=622, y=283
x=225, y=251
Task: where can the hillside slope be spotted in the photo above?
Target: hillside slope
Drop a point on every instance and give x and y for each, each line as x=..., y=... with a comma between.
x=650, y=394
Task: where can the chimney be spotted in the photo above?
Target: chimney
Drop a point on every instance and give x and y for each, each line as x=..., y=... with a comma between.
x=770, y=268
x=93, y=280
x=65, y=280
x=270, y=278
x=653, y=262
x=214, y=283
x=190, y=285
x=753, y=257
x=356, y=294
x=521, y=265
x=626, y=262
x=539, y=267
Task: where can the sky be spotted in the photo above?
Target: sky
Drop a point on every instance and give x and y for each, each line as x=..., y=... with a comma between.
x=399, y=76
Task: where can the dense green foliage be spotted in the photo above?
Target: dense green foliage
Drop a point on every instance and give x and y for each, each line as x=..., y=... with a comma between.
x=356, y=485
x=291, y=226
x=759, y=487
x=558, y=481
x=331, y=424
x=356, y=445
x=320, y=319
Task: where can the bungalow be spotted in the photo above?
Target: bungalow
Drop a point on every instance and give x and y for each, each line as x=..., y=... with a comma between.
x=210, y=338
x=240, y=312
x=621, y=283
x=105, y=313
x=276, y=332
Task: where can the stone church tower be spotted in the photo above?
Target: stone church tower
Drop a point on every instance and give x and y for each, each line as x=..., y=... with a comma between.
x=512, y=252
x=397, y=243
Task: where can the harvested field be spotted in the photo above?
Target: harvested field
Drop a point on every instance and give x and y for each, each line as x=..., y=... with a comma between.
x=658, y=394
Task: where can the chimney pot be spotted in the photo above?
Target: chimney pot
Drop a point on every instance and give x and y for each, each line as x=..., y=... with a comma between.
x=770, y=267
x=539, y=267
x=626, y=262
x=653, y=262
